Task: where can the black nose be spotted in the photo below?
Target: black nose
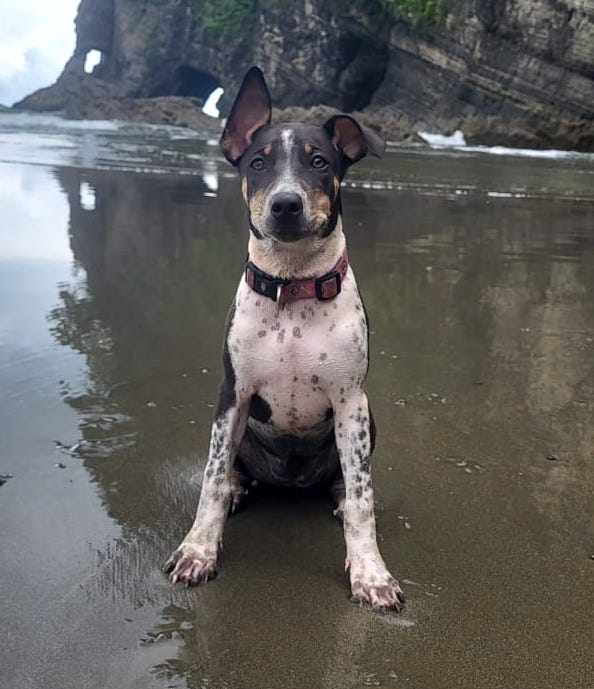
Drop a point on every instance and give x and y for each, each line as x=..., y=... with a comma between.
x=286, y=206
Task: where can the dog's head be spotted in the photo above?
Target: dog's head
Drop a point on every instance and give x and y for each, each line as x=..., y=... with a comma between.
x=291, y=173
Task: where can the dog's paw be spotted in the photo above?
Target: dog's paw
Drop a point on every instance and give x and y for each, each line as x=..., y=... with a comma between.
x=238, y=497
x=190, y=565
x=376, y=587
x=338, y=511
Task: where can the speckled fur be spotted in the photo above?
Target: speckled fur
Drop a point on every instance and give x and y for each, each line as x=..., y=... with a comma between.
x=301, y=359
x=292, y=409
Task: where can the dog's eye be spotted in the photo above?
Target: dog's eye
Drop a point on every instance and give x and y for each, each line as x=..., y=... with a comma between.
x=318, y=162
x=257, y=164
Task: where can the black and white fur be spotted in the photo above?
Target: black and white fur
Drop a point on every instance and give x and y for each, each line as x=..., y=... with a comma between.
x=292, y=410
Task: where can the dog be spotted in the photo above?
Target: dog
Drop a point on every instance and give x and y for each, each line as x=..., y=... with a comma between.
x=292, y=410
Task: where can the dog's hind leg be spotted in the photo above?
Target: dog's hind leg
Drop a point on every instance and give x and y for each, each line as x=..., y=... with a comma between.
x=338, y=493
x=239, y=487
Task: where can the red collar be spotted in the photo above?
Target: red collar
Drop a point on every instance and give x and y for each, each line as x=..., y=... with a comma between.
x=283, y=290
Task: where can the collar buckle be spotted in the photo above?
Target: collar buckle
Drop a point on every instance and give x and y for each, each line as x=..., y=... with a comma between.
x=262, y=283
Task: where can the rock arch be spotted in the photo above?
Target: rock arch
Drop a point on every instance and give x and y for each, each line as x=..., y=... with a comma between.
x=94, y=59
x=188, y=81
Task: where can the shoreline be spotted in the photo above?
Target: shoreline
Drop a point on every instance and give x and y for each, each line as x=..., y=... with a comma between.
x=396, y=127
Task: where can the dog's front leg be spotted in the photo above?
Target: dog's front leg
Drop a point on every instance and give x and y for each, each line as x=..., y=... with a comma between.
x=196, y=558
x=371, y=582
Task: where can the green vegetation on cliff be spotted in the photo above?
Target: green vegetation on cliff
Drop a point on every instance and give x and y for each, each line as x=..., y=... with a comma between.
x=227, y=17
x=419, y=13
x=236, y=17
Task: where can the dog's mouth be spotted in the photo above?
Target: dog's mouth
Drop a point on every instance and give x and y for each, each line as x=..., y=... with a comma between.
x=289, y=235
x=294, y=230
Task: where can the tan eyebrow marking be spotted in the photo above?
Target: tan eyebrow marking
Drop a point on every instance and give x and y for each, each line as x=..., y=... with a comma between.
x=308, y=148
x=266, y=150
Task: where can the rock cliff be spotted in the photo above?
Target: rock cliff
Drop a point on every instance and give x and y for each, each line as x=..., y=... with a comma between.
x=504, y=71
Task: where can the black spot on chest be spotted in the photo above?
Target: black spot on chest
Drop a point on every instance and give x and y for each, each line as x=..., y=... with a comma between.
x=260, y=409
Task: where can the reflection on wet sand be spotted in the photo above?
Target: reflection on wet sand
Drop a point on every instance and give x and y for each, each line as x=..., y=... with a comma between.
x=483, y=364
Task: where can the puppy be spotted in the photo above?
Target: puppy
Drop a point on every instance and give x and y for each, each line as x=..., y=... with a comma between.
x=292, y=410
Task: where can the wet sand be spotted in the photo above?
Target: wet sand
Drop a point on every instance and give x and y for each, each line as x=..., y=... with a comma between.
x=478, y=276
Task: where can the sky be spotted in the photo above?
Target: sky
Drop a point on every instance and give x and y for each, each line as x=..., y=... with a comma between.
x=36, y=39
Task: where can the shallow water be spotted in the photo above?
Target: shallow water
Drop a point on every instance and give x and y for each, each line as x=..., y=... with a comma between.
x=478, y=275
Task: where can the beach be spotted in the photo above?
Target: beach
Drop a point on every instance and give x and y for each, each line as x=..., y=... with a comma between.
x=121, y=246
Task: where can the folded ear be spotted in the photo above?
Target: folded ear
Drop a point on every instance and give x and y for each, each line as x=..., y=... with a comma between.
x=251, y=110
x=354, y=140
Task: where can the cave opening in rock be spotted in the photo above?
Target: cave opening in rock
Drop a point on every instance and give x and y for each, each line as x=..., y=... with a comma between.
x=188, y=81
x=92, y=59
x=366, y=63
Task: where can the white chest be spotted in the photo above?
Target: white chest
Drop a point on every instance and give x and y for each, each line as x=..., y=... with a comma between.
x=300, y=357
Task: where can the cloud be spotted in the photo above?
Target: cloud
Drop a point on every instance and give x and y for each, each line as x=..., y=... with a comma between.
x=29, y=196
x=36, y=39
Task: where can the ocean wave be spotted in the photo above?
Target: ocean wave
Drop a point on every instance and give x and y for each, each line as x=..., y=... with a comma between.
x=37, y=122
x=457, y=142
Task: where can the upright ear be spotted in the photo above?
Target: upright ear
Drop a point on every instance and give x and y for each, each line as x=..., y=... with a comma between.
x=251, y=110
x=352, y=139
